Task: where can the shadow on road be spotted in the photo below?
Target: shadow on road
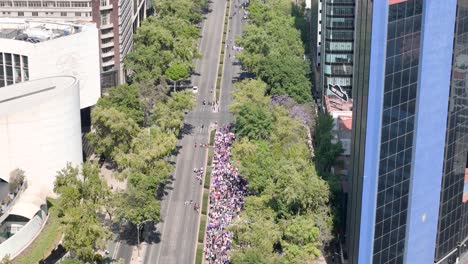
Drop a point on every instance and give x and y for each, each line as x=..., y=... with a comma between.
x=153, y=236
x=164, y=189
x=187, y=129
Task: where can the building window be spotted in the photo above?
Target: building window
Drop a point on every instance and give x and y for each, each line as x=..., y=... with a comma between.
x=25, y=68
x=2, y=73
x=22, y=4
x=9, y=68
x=63, y=4
x=103, y=2
x=79, y=4
x=34, y=4
x=20, y=13
x=105, y=19
x=78, y=14
x=64, y=14
x=5, y=3
x=48, y=4
x=35, y=14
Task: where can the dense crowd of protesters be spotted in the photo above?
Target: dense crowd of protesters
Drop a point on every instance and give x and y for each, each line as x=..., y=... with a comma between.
x=227, y=196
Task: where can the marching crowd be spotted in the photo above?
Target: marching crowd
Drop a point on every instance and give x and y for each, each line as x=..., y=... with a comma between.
x=227, y=196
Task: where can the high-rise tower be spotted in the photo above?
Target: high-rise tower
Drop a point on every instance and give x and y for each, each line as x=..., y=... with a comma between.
x=409, y=147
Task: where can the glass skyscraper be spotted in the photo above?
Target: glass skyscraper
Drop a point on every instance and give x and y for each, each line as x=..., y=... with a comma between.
x=337, y=48
x=407, y=199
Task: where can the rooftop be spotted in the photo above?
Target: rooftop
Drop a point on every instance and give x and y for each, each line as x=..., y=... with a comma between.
x=335, y=104
x=36, y=31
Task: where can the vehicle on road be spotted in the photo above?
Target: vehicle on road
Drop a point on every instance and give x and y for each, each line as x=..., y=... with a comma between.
x=195, y=89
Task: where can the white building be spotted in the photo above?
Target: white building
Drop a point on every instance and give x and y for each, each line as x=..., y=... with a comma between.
x=117, y=21
x=40, y=131
x=36, y=49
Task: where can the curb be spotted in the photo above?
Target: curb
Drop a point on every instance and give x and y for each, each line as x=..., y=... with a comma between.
x=224, y=57
x=201, y=206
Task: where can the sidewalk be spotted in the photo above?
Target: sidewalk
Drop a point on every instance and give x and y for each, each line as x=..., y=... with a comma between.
x=139, y=257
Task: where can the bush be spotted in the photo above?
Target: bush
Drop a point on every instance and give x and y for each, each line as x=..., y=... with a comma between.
x=16, y=179
x=212, y=136
x=199, y=256
x=201, y=231
x=220, y=68
x=205, y=201
x=210, y=156
x=207, y=178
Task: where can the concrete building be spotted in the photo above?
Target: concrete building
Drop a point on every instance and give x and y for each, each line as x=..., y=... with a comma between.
x=409, y=180
x=335, y=45
x=117, y=21
x=32, y=49
x=40, y=132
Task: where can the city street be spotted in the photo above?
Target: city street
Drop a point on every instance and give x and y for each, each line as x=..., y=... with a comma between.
x=174, y=240
x=179, y=229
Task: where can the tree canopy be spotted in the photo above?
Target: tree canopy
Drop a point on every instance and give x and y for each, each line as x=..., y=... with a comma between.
x=286, y=218
x=187, y=9
x=126, y=99
x=274, y=51
x=177, y=72
x=159, y=43
x=81, y=196
x=113, y=131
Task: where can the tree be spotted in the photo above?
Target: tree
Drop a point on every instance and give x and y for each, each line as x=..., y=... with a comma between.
x=249, y=91
x=81, y=196
x=83, y=233
x=150, y=93
x=94, y=188
x=138, y=208
x=160, y=42
x=112, y=131
x=16, y=179
x=326, y=151
x=286, y=75
x=67, y=185
x=124, y=98
x=177, y=72
x=254, y=121
x=169, y=115
x=186, y=9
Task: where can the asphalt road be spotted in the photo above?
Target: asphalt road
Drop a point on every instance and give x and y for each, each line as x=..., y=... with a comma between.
x=177, y=239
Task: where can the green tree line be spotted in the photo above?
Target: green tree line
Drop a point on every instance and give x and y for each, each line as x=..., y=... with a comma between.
x=286, y=218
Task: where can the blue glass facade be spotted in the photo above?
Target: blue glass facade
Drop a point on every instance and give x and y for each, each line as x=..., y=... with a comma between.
x=399, y=118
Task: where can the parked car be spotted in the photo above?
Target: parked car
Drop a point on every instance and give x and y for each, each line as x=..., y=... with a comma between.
x=195, y=89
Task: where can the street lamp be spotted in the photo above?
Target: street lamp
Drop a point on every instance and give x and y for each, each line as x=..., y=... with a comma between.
x=138, y=234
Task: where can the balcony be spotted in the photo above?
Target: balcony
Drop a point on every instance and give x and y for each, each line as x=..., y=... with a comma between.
x=108, y=63
x=108, y=35
x=107, y=26
x=106, y=7
x=107, y=54
x=109, y=44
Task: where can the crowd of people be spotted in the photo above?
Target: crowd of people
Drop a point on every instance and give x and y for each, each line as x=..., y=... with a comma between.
x=227, y=196
x=199, y=174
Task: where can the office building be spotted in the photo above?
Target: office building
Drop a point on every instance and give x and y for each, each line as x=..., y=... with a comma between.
x=117, y=21
x=335, y=45
x=407, y=200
